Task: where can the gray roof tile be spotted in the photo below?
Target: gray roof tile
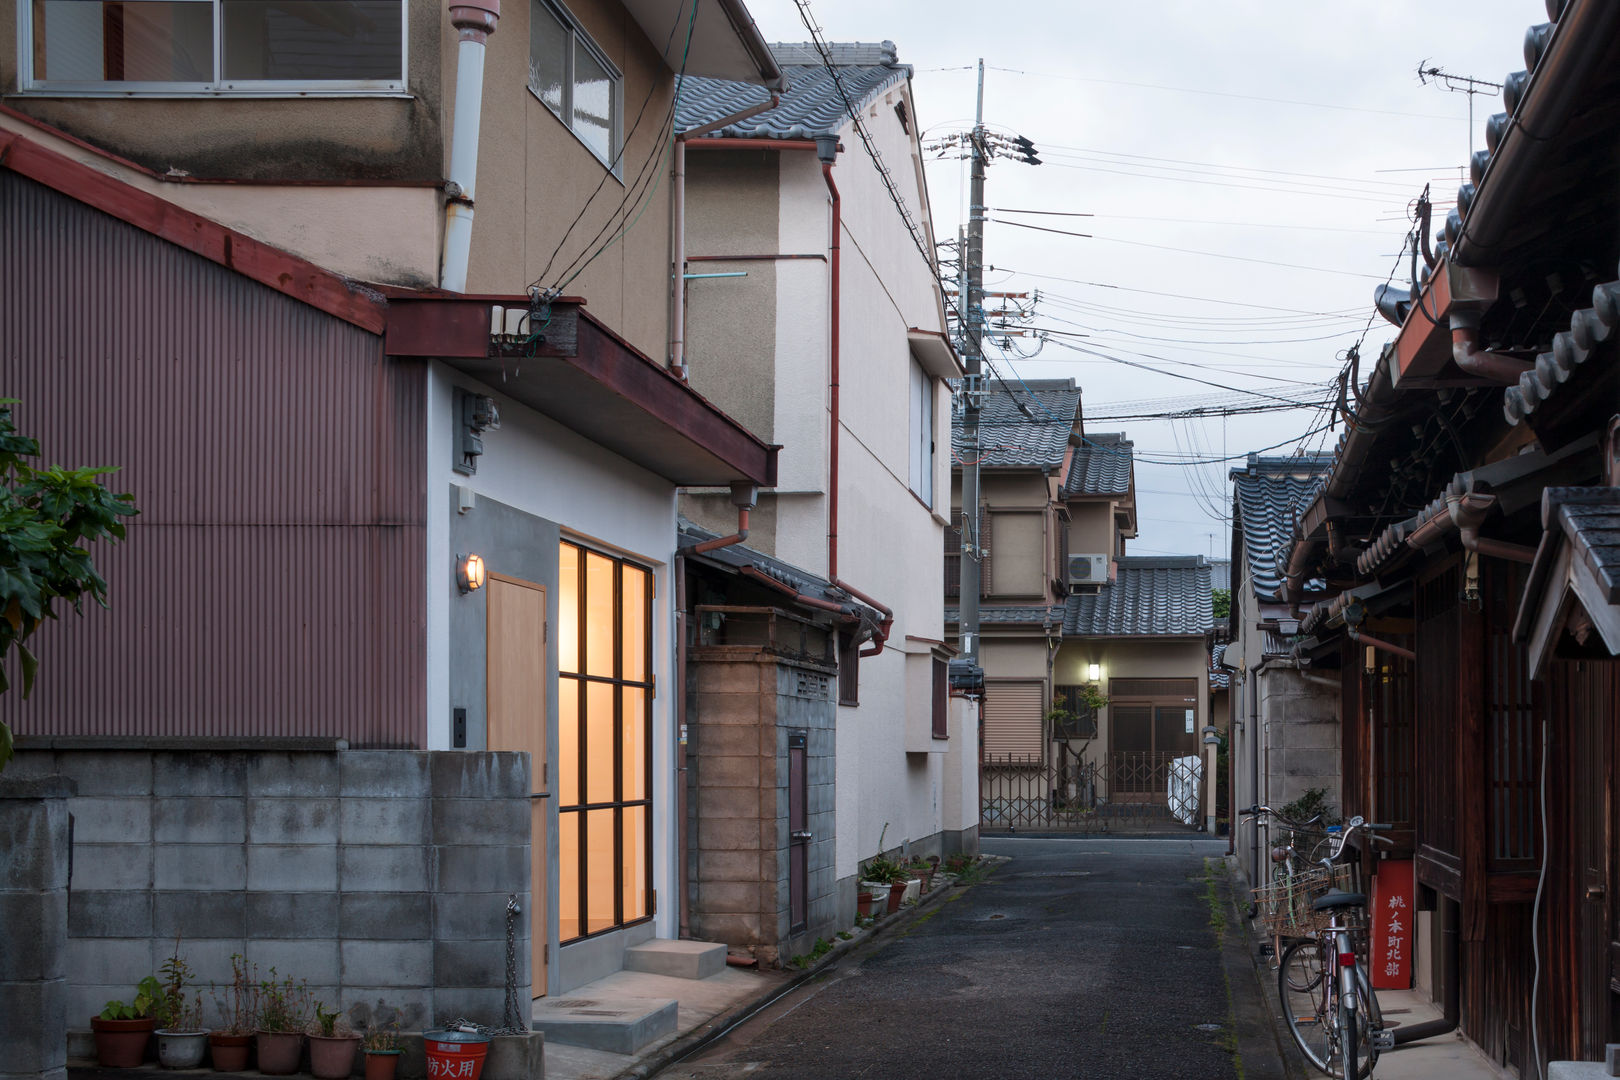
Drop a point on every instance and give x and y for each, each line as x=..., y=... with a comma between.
x=737, y=556
x=1271, y=493
x=1588, y=328
x=1011, y=614
x=1102, y=466
x=1034, y=436
x=1219, y=678
x=810, y=106
x=1160, y=596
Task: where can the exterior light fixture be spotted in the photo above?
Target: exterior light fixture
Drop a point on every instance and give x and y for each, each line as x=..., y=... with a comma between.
x=469, y=572
x=1094, y=672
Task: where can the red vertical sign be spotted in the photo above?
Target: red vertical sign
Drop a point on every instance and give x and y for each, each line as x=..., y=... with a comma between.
x=1390, y=918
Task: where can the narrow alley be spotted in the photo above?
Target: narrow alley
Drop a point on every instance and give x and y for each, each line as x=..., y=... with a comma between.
x=1078, y=958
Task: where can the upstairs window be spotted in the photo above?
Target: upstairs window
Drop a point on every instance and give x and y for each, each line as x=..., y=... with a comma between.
x=922, y=434
x=576, y=81
x=184, y=47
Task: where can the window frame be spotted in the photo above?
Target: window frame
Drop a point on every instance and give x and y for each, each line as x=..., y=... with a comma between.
x=648, y=686
x=219, y=86
x=577, y=37
x=921, y=438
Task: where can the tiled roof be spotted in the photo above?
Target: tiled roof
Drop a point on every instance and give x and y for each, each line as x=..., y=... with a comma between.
x=1219, y=677
x=810, y=106
x=1025, y=426
x=1271, y=493
x=1011, y=615
x=1102, y=466
x=1588, y=328
x=1158, y=596
x=738, y=556
x=1220, y=573
x=1588, y=520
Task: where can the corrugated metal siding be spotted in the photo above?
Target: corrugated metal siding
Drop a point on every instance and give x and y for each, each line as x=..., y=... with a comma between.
x=273, y=583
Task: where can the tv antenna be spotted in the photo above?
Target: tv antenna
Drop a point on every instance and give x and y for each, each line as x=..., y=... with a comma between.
x=1458, y=84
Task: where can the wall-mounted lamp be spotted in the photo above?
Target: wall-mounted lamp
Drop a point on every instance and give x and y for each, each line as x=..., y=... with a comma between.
x=1094, y=672
x=469, y=572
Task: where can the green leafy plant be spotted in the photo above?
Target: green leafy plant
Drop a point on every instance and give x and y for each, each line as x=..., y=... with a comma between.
x=1313, y=802
x=283, y=1004
x=47, y=517
x=844, y=935
x=1221, y=601
x=328, y=1025
x=238, y=1003
x=148, y=997
x=882, y=869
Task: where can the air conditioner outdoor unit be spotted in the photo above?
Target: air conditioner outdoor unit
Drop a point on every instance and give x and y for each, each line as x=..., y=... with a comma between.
x=1088, y=569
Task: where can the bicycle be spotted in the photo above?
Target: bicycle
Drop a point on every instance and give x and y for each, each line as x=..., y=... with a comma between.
x=1330, y=1007
x=1276, y=900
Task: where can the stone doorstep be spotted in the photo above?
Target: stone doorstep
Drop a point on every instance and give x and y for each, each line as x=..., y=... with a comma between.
x=510, y=1057
x=680, y=959
x=617, y=1025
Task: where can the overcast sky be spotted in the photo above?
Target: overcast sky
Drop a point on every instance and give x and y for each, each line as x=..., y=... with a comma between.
x=1212, y=142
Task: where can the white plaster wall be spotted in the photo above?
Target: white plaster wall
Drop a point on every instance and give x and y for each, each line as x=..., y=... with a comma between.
x=538, y=466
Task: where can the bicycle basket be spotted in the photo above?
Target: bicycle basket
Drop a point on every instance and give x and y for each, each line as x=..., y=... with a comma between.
x=1284, y=906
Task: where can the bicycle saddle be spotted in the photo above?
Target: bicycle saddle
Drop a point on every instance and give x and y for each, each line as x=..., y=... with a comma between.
x=1334, y=901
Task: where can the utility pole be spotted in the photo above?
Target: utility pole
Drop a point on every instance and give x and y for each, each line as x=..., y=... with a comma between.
x=971, y=297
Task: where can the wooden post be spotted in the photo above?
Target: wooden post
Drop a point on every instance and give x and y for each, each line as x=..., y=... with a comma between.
x=1470, y=766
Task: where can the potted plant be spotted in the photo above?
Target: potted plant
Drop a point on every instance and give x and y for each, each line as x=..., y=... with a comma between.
x=331, y=1044
x=238, y=1007
x=181, y=1037
x=122, y=1031
x=883, y=870
x=279, y=1026
x=866, y=896
x=382, y=1044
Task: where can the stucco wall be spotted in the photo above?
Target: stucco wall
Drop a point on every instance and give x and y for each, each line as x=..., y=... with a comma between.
x=1123, y=658
x=1300, y=726
x=1091, y=528
x=587, y=494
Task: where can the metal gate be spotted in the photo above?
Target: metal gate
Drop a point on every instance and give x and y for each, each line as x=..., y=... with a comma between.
x=1126, y=791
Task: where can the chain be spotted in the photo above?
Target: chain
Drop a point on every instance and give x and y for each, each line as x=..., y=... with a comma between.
x=512, y=1022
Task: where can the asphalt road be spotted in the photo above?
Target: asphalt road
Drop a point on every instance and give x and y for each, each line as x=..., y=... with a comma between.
x=1078, y=958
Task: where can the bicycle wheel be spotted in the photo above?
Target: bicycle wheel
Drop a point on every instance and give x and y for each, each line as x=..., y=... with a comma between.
x=1307, y=996
x=1310, y=1002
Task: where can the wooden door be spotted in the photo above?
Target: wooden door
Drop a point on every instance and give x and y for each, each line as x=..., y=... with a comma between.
x=1590, y=818
x=516, y=694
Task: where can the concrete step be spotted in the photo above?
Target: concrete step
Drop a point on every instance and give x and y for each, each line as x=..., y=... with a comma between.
x=680, y=959
x=618, y=1025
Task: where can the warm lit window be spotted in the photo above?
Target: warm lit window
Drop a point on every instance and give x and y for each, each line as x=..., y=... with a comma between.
x=214, y=46
x=575, y=80
x=604, y=736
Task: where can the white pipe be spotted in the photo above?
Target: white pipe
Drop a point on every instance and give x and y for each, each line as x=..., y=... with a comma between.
x=677, y=322
x=475, y=20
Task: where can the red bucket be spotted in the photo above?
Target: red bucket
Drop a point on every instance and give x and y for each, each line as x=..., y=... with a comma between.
x=455, y=1055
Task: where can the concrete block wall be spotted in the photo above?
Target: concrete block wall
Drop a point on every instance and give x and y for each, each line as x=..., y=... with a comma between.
x=744, y=707
x=1302, y=732
x=372, y=875
x=33, y=911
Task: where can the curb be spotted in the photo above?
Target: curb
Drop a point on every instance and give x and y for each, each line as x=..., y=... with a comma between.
x=1257, y=1013
x=688, y=1044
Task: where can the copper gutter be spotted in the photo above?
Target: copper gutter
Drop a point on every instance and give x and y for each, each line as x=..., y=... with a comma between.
x=834, y=288
x=1468, y=513
x=755, y=574
x=1495, y=367
x=1385, y=646
x=751, y=144
x=726, y=541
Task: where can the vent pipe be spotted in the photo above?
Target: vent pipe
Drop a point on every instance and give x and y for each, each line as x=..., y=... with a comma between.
x=474, y=20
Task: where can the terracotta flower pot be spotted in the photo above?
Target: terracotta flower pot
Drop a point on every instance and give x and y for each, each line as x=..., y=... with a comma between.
x=121, y=1044
x=897, y=893
x=229, y=1052
x=864, y=902
x=332, y=1057
x=279, y=1051
x=380, y=1064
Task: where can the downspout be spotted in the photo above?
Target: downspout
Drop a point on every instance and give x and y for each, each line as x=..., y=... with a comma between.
x=1450, y=932
x=743, y=495
x=798, y=597
x=677, y=217
x=677, y=315
x=474, y=20
x=1252, y=683
x=1467, y=355
x=682, y=760
x=827, y=152
x=1468, y=513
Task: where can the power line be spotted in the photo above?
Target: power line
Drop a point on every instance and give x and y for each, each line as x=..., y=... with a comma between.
x=1191, y=251
x=1153, y=292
